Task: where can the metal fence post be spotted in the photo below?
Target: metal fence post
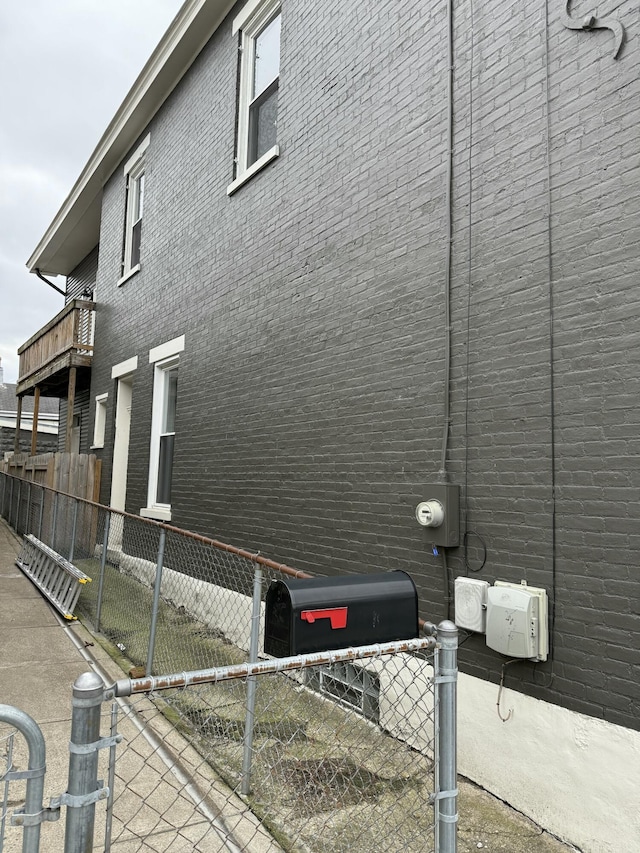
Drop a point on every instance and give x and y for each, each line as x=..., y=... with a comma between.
x=34, y=775
x=55, y=521
x=112, y=776
x=10, y=502
x=41, y=513
x=18, y=502
x=82, y=787
x=251, y=682
x=28, y=521
x=156, y=601
x=103, y=562
x=74, y=527
x=446, y=804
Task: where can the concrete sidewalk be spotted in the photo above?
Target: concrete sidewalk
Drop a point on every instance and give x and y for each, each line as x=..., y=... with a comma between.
x=40, y=658
x=38, y=666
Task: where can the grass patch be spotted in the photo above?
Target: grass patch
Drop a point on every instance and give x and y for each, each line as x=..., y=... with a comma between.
x=182, y=643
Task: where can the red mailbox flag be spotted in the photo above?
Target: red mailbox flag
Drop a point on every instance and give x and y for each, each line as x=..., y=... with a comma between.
x=337, y=616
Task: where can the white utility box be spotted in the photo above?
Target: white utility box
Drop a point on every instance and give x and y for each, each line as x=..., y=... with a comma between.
x=517, y=620
x=471, y=603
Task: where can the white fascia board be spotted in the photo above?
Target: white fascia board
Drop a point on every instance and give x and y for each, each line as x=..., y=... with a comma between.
x=75, y=229
x=47, y=429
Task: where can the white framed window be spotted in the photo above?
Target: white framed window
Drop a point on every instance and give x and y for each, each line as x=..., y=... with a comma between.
x=134, y=174
x=259, y=26
x=165, y=359
x=100, y=421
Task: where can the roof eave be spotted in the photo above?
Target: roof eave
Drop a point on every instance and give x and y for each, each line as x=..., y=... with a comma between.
x=75, y=230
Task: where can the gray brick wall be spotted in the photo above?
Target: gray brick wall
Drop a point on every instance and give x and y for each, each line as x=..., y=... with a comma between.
x=46, y=443
x=310, y=409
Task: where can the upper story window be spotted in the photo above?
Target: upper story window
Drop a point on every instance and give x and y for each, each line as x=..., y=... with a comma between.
x=259, y=27
x=134, y=209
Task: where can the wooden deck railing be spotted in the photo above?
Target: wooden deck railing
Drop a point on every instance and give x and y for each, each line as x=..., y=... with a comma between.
x=65, y=341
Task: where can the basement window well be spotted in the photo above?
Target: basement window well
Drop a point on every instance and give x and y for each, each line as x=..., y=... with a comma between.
x=352, y=686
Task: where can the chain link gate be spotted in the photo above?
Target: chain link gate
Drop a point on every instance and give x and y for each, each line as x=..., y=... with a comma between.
x=351, y=749
x=325, y=776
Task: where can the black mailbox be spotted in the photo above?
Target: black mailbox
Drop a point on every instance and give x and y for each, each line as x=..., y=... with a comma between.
x=319, y=614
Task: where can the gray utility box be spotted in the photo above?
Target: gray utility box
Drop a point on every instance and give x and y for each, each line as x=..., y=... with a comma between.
x=319, y=614
x=446, y=534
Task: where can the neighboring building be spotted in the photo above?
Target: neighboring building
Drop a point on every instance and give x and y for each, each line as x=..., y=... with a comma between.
x=380, y=269
x=47, y=427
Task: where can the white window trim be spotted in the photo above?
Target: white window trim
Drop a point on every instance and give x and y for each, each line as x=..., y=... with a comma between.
x=100, y=421
x=158, y=512
x=163, y=357
x=266, y=158
x=244, y=16
x=133, y=169
x=248, y=22
x=137, y=155
x=124, y=367
x=166, y=350
x=128, y=275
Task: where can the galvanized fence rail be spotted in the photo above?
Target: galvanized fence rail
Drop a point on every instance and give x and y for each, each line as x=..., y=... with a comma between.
x=260, y=748
x=30, y=816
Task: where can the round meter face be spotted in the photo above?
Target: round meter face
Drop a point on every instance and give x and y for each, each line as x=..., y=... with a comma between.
x=430, y=513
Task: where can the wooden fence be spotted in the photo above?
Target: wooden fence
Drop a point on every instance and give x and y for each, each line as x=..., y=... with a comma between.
x=77, y=474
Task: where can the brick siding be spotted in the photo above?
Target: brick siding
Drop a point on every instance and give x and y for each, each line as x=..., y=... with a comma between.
x=310, y=404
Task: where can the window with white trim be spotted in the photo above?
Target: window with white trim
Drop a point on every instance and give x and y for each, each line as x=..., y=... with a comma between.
x=259, y=26
x=134, y=173
x=165, y=359
x=100, y=420
x=163, y=433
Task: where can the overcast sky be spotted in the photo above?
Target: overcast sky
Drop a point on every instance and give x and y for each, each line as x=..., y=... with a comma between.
x=65, y=68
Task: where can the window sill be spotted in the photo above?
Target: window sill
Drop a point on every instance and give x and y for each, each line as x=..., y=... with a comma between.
x=266, y=158
x=129, y=274
x=156, y=512
x=97, y=447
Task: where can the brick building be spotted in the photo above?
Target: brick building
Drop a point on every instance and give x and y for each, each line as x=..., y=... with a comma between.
x=407, y=257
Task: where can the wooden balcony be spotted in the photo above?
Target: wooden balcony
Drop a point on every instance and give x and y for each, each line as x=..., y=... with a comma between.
x=66, y=342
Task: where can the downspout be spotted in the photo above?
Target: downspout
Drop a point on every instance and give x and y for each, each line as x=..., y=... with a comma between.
x=443, y=473
x=50, y=283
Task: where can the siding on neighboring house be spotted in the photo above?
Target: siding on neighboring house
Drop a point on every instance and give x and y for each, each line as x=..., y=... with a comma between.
x=47, y=441
x=311, y=387
x=82, y=281
x=82, y=413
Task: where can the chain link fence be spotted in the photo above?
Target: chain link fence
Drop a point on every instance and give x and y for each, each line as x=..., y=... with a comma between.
x=332, y=754
x=322, y=776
